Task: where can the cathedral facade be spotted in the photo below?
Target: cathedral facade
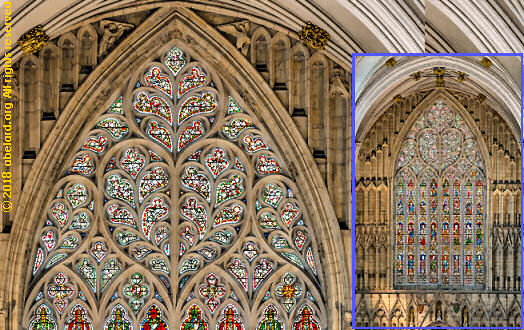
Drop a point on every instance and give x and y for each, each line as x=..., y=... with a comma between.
x=199, y=165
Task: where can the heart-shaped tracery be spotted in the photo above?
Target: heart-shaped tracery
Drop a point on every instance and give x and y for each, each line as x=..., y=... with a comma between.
x=148, y=227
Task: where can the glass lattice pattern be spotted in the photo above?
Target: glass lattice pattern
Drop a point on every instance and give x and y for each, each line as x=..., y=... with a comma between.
x=439, y=203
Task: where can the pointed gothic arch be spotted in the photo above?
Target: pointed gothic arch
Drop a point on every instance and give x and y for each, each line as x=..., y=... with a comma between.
x=440, y=200
x=279, y=62
x=49, y=64
x=30, y=76
x=318, y=103
x=88, y=41
x=378, y=90
x=96, y=95
x=67, y=49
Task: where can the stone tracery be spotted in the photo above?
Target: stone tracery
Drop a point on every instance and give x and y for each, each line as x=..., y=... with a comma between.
x=319, y=109
x=390, y=149
x=439, y=203
x=145, y=223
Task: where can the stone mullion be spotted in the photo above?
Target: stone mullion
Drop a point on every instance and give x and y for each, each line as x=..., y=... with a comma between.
x=405, y=229
x=451, y=222
x=395, y=249
x=438, y=215
x=463, y=224
x=366, y=205
x=482, y=248
x=474, y=216
x=416, y=229
x=418, y=245
x=461, y=191
x=174, y=243
x=426, y=218
x=461, y=232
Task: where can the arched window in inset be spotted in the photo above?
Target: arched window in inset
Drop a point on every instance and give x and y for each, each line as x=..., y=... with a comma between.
x=439, y=203
x=175, y=212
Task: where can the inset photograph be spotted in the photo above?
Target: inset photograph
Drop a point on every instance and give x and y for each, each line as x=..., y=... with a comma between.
x=437, y=199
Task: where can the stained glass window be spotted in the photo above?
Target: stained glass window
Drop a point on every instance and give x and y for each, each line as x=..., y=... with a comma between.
x=176, y=213
x=440, y=203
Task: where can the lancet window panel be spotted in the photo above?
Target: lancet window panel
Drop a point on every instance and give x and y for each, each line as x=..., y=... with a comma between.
x=439, y=204
x=176, y=212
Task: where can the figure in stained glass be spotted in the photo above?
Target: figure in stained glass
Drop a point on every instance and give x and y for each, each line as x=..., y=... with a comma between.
x=153, y=320
x=270, y=320
x=43, y=320
x=439, y=140
x=78, y=320
x=169, y=173
x=306, y=320
x=194, y=320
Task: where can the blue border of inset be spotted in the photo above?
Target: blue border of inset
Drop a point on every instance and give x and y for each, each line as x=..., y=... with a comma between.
x=353, y=179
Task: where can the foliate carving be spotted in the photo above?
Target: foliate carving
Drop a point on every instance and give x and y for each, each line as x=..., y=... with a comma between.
x=338, y=76
x=171, y=34
x=313, y=36
x=190, y=40
x=391, y=62
x=481, y=98
x=240, y=31
x=113, y=31
x=397, y=98
x=439, y=70
x=440, y=74
x=486, y=62
x=33, y=40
